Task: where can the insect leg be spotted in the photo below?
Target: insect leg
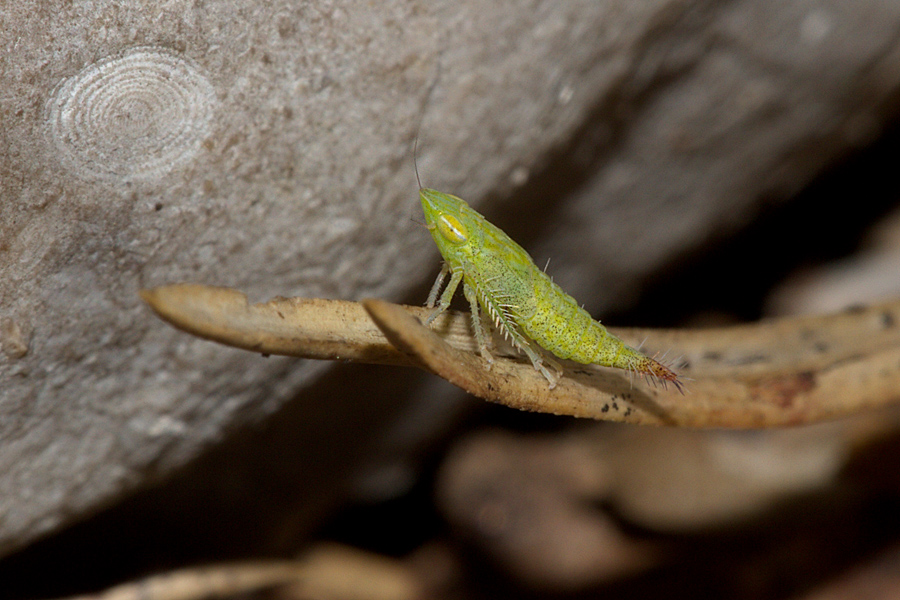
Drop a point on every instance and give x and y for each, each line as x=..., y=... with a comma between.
x=432, y=296
x=447, y=296
x=534, y=356
x=557, y=374
x=538, y=361
x=478, y=324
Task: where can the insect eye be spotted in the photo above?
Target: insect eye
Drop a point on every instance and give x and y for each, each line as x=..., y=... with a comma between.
x=452, y=230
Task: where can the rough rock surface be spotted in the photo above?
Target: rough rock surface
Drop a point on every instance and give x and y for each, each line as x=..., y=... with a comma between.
x=267, y=146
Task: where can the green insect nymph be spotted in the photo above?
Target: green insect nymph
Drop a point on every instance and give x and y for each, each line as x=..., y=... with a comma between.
x=523, y=302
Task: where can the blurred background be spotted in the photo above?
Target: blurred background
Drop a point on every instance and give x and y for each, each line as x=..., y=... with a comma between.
x=682, y=164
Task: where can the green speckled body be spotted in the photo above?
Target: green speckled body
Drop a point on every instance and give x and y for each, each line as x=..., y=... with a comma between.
x=522, y=301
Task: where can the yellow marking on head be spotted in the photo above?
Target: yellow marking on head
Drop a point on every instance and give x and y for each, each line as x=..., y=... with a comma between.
x=452, y=229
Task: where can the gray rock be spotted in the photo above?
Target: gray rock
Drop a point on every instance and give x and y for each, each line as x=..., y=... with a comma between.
x=267, y=146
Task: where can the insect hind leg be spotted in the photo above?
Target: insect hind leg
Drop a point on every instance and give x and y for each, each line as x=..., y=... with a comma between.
x=552, y=377
x=537, y=360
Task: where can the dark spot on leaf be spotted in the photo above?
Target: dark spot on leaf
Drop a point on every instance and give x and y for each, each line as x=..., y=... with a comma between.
x=782, y=390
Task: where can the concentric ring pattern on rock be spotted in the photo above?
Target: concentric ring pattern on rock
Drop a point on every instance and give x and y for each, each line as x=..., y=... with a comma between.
x=132, y=117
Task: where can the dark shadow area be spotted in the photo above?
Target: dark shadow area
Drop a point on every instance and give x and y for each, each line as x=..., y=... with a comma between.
x=262, y=493
x=826, y=222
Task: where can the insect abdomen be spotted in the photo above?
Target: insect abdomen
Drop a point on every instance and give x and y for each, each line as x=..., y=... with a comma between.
x=561, y=326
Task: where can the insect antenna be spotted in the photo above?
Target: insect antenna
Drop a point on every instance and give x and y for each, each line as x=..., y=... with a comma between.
x=437, y=77
x=416, y=157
